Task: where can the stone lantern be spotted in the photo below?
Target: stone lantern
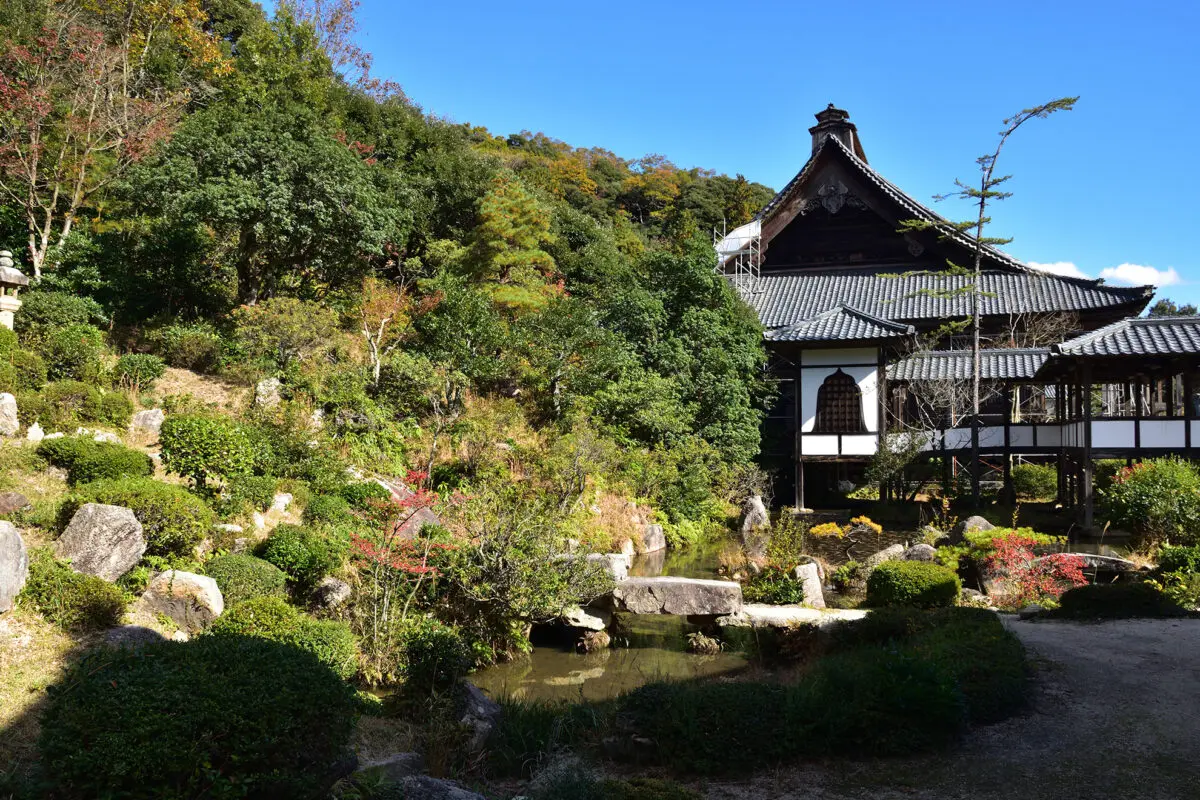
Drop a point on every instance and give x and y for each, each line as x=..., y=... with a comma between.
x=11, y=281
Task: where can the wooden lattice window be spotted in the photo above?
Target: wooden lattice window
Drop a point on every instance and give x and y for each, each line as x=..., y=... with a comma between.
x=839, y=406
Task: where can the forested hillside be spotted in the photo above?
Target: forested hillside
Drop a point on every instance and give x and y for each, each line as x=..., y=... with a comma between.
x=233, y=164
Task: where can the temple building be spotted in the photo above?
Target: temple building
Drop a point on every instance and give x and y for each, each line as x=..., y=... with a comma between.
x=854, y=311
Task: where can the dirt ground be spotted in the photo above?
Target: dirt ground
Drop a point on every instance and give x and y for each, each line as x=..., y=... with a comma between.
x=1116, y=714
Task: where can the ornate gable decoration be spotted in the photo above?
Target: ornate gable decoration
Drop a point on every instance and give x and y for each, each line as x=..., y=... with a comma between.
x=832, y=195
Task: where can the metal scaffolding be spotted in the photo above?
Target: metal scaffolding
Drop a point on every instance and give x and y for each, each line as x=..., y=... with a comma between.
x=739, y=255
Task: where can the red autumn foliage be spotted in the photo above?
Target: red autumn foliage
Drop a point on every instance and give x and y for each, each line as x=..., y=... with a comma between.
x=1033, y=579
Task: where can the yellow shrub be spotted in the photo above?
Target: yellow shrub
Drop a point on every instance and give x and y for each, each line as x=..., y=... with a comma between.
x=828, y=529
x=864, y=520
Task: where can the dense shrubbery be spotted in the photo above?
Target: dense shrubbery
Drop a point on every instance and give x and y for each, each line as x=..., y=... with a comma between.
x=194, y=346
x=75, y=352
x=912, y=583
x=361, y=495
x=138, y=371
x=303, y=553
x=222, y=716
x=1035, y=481
x=435, y=656
x=327, y=508
x=62, y=405
x=43, y=313
x=250, y=491
x=21, y=371
x=173, y=519
x=1117, y=600
x=1158, y=500
x=86, y=460
x=68, y=598
x=272, y=618
x=242, y=577
x=198, y=446
x=774, y=585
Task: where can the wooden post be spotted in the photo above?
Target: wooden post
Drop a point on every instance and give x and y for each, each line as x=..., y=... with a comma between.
x=1086, y=466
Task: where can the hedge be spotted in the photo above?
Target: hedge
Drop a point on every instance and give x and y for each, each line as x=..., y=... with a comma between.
x=304, y=554
x=62, y=405
x=138, y=371
x=68, y=598
x=86, y=460
x=197, y=446
x=1116, y=600
x=912, y=583
x=173, y=519
x=272, y=618
x=220, y=716
x=242, y=577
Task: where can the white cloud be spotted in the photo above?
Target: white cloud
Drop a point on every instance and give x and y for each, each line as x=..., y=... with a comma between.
x=1065, y=268
x=1141, y=275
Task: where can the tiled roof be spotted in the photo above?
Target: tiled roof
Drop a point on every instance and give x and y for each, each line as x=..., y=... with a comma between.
x=1146, y=336
x=841, y=324
x=786, y=298
x=994, y=365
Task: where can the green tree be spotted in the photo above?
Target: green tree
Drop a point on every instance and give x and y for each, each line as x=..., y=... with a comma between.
x=987, y=190
x=508, y=255
x=1167, y=308
x=285, y=330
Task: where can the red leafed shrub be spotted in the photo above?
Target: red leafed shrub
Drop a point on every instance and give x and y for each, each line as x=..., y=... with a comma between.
x=1031, y=578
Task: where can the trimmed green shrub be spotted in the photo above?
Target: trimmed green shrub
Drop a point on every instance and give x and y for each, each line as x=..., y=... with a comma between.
x=195, y=346
x=70, y=599
x=173, y=519
x=197, y=446
x=8, y=341
x=75, y=352
x=43, y=313
x=1035, y=481
x=331, y=508
x=1157, y=499
x=1177, y=559
x=254, y=491
x=1116, y=600
x=435, y=655
x=304, y=554
x=116, y=409
x=138, y=371
x=28, y=370
x=221, y=716
x=360, y=495
x=272, y=618
x=61, y=405
x=86, y=460
x=773, y=585
x=912, y=583
x=242, y=577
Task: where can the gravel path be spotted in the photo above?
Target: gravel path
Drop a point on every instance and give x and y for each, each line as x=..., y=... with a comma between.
x=1116, y=714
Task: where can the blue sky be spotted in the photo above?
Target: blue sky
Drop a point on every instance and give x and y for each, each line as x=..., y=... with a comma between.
x=1107, y=189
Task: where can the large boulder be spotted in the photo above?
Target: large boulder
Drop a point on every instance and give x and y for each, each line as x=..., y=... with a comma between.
x=681, y=596
x=148, y=421
x=481, y=714
x=14, y=565
x=976, y=523
x=192, y=601
x=101, y=540
x=755, y=527
x=9, y=423
x=395, y=767
x=654, y=540
x=132, y=636
x=893, y=552
x=920, y=552
x=331, y=593
x=12, y=501
x=616, y=565
x=809, y=576
x=592, y=619
x=758, y=615
x=266, y=392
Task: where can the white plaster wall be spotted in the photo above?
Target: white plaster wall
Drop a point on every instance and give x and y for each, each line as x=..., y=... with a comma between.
x=817, y=444
x=1049, y=435
x=1162, y=433
x=1021, y=436
x=859, y=445
x=1116, y=433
